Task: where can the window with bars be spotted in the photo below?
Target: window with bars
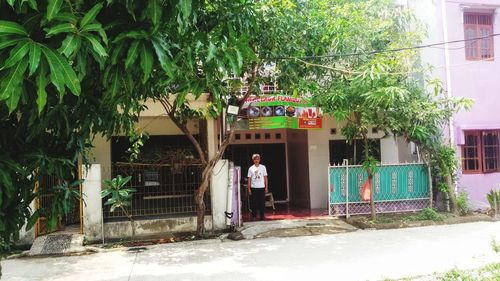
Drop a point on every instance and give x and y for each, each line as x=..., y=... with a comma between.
x=481, y=153
x=477, y=28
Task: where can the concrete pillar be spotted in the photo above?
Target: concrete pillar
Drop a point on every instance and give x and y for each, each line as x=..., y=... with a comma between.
x=27, y=237
x=92, y=207
x=219, y=190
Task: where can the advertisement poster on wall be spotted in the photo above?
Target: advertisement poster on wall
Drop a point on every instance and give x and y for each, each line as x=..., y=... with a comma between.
x=278, y=112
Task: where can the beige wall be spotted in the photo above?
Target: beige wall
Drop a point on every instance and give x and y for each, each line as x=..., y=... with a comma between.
x=160, y=125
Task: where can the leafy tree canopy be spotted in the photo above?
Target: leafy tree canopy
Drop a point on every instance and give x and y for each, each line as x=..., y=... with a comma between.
x=73, y=69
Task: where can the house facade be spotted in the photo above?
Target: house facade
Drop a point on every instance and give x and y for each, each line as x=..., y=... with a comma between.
x=467, y=62
x=297, y=161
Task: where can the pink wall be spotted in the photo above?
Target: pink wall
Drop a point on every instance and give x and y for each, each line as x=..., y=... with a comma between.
x=479, y=80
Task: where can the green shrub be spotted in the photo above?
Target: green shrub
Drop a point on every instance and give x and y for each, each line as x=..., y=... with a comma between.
x=494, y=199
x=455, y=274
x=429, y=214
x=463, y=203
x=495, y=245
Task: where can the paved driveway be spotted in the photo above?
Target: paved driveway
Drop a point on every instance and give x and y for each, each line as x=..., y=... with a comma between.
x=360, y=255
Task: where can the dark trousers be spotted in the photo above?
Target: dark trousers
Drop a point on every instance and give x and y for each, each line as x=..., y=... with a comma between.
x=258, y=202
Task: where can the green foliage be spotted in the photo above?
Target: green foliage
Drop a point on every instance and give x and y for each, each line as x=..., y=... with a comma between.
x=430, y=214
x=443, y=187
x=66, y=75
x=495, y=245
x=137, y=140
x=63, y=198
x=456, y=274
x=487, y=273
x=463, y=203
x=118, y=195
x=493, y=198
x=370, y=164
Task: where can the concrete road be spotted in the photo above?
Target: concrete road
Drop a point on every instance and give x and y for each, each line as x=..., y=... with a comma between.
x=360, y=255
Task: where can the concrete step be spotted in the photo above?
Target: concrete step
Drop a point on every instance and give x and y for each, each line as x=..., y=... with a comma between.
x=57, y=244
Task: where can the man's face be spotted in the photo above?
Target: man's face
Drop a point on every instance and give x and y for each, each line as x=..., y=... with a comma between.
x=256, y=160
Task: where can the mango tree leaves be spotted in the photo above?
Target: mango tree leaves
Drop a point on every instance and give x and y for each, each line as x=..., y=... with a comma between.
x=61, y=72
x=146, y=59
x=34, y=57
x=53, y=8
x=91, y=15
x=16, y=54
x=132, y=54
x=41, y=83
x=63, y=48
x=9, y=27
x=70, y=45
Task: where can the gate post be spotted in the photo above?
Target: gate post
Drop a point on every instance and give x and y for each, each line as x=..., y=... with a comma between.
x=346, y=163
x=92, y=209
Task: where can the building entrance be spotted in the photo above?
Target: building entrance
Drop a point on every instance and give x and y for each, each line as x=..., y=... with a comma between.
x=273, y=156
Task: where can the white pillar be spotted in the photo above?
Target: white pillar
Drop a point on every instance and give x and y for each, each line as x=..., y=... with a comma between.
x=219, y=190
x=92, y=207
x=389, y=151
x=27, y=237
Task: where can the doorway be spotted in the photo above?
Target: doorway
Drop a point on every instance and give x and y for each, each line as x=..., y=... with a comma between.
x=273, y=156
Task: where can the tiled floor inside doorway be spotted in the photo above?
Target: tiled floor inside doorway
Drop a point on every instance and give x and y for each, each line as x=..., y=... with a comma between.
x=284, y=212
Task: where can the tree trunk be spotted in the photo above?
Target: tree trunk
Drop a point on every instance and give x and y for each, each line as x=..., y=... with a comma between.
x=132, y=222
x=372, y=201
x=370, y=175
x=452, y=195
x=210, y=164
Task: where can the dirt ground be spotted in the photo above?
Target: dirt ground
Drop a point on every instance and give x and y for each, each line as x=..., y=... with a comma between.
x=402, y=220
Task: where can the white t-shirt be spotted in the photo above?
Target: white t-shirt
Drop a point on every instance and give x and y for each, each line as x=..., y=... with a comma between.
x=257, y=175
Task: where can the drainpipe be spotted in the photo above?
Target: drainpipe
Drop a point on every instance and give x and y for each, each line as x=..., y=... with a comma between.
x=444, y=20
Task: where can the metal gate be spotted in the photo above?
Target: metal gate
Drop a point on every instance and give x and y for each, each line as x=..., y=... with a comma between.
x=44, y=201
x=396, y=188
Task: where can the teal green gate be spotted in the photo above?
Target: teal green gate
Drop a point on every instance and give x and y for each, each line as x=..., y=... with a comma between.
x=396, y=188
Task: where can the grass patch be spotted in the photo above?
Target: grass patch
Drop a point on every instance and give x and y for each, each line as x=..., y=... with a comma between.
x=429, y=214
x=495, y=245
x=490, y=272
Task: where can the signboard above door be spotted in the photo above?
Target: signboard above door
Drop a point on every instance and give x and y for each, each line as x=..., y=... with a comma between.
x=278, y=112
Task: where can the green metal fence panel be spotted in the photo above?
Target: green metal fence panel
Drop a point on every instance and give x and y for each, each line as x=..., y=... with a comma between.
x=396, y=188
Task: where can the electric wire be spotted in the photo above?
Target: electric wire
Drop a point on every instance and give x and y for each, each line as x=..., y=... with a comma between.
x=388, y=50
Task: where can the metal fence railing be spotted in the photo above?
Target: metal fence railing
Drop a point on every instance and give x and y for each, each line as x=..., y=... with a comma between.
x=45, y=199
x=163, y=190
x=396, y=188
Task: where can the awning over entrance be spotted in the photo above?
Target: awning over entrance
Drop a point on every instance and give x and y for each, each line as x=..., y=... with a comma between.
x=279, y=112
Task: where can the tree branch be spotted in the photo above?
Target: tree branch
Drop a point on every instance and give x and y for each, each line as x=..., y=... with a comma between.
x=170, y=109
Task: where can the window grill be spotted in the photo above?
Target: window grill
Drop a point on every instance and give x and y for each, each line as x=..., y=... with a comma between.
x=481, y=151
x=478, y=25
x=163, y=190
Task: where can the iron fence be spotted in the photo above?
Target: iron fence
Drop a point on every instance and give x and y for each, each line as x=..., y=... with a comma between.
x=396, y=188
x=162, y=190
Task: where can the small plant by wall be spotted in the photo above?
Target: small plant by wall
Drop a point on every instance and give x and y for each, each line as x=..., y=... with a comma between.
x=494, y=199
x=430, y=214
x=463, y=203
x=119, y=197
x=495, y=245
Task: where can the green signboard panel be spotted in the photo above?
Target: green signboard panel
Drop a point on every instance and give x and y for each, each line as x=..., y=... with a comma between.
x=278, y=112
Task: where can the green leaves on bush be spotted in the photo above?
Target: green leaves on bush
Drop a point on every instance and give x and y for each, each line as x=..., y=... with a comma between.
x=430, y=214
x=118, y=195
x=493, y=198
x=464, y=207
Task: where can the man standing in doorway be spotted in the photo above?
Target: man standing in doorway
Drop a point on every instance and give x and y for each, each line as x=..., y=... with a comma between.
x=257, y=186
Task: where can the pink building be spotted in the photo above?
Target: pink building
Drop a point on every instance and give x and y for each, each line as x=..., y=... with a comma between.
x=469, y=66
